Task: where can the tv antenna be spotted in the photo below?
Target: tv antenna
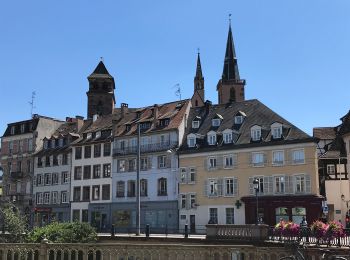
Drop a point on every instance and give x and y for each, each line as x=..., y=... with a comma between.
x=178, y=90
x=31, y=103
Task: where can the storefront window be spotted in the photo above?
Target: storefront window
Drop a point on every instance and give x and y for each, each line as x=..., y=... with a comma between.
x=297, y=214
x=281, y=213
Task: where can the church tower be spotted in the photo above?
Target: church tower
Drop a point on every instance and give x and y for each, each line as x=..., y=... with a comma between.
x=230, y=87
x=101, y=99
x=198, y=93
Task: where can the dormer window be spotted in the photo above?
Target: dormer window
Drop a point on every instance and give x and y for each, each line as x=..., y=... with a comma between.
x=215, y=122
x=89, y=136
x=13, y=130
x=228, y=136
x=127, y=127
x=164, y=122
x=60, y=142
x=211, y=136
x=191, y=140
x=276, y=130
x=195, y=124
x=238, y=120
x=98, y=134
x=46, y=144
x=22, y=128
x=53, y=143
x=255, y=133
x=145, y=125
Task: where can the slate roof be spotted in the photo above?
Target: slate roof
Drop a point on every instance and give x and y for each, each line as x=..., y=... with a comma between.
x=256, y=114
x=324, y=133
x=344, y=128
x=100, y=72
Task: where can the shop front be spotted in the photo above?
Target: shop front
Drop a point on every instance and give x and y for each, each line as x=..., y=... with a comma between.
x=289, y=208
x=46, y=215
x=100, y=216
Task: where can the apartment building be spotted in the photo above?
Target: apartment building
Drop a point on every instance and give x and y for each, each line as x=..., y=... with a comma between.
x=162, y=128
x=52, y=174
x=18, y=144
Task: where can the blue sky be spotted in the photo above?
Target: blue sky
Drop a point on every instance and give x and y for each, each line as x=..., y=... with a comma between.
x=294, y=54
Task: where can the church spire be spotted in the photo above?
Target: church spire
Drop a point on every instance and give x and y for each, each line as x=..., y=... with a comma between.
x=199, y=74
x=230, y=71
x=198, y=92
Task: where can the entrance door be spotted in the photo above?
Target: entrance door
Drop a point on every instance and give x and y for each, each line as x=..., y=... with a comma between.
x=193, y=224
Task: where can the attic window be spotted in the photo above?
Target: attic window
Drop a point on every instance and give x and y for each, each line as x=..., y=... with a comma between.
x=53, y=143
x=276, y=130
x=179, y=105
x=191, y=140
x=255, y=132
x=215, y=122
x=164, y=122
x=127, y=127
x=145, y=125
x=98, y=134
x=89, y=136
x=13, y=130
x=60, y=142
x=227, y=137
x=22, y=128
x=195, y=124
x=211, y=137
x=45, y=144
x=238, y=120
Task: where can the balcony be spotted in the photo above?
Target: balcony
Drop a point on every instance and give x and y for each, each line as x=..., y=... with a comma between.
x=146, y=148
x=16, y=175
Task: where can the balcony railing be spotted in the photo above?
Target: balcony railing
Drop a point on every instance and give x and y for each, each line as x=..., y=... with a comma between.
x=155, y=147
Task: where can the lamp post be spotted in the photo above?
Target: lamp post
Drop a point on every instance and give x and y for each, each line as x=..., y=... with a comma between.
x=256, y=188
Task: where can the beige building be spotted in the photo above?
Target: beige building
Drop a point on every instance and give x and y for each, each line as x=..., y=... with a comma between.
x=229, y=145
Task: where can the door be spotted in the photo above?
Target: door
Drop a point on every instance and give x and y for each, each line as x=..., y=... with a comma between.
x=193, y=224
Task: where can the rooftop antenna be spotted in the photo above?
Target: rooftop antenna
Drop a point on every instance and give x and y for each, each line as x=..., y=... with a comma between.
x=178, y=90
x=31, y=103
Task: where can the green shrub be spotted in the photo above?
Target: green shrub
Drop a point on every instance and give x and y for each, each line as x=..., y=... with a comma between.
x=72, y=232
x=15, y=224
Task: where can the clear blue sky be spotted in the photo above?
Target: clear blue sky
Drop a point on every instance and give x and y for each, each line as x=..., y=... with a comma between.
x=294, y=54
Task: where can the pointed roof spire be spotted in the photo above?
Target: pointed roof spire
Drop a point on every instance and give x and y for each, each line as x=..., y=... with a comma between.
x=230, y=71
x=100, y=71
x=199, y=74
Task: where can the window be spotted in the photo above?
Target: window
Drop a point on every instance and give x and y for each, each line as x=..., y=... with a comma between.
x=97, y=171
x=54, y=178
x=96, y=192
x=191, y=140
x=262, y=182
x=132, y=165
x=122, y=145
x=86, y=193
x=97, y=150
x=40, y=162
x=238, y=120
x=107, y=149
x=78, y=153
x=258, y=159
x=229, y=187
x=54, y=160
x=10, y=146
x=183, y=175
x=183, y=201
x=144, y=163
x=30, y=145
x=84, y=215
x=77, y=173
x=60, y=142
x=64, y=159
x=87, y=151
x=120, y=189
x=164, y=122
x=87, y=172
x=330, y=168
x=215, y=122
x=39, y=198
x=279, y=184
x=161, y=161
x=47, y=161
x=162, y=187
x=195, y=124
x=22, y=128
x=106, y=170
x=76, y=215
x=213, y=216
x=46, y=197
x=211, y=138
x=20, y=146
x=211, y=163
x=76, y=193
x=213, y=187
x=64, y=197
x=281, y=214
x=65, y=177
x=193, y=201
x=47, y=179
x=230, y=216
x=145, y=125
x=106, y=192
x=39, y=180
x=192, y=175
x=228, y=137
x=229, y=161
x=255, y=133
x=13, y=128
x=131, y=188
x=143, y=187
x=276, y=131
x=46, y=144
x=298, y=213
x=54, y=196
x=298, y=156
x=121, y=165
x=277, y=158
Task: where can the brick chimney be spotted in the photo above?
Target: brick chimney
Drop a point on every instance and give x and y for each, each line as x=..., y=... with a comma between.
x=123, y=109
x=155, y=114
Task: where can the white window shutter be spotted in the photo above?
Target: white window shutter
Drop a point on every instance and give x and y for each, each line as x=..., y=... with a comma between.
x=288, y=184
x=206, y=188
x=168, y=161
x=206, y=164
x=264, y=158
x=235, y=160
x=270, y=184
x=220, y=183
x=307, y=183
x=188, y=201
x=149, y=162
x=219, y=162
x=251, y=188
x=179, y=200
x=235, y=187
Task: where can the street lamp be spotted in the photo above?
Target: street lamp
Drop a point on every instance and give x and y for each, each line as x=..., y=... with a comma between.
x=256, y=188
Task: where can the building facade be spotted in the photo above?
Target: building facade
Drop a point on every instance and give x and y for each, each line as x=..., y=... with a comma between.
x=52, y=174
x=19, y=142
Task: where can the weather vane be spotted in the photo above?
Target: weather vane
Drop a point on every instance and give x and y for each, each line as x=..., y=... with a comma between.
x=198, y=50
x=101, y=59
x=229, y=18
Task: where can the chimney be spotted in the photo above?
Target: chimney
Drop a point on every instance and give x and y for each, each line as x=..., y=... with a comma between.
x=69, y=119
x=207, y=106
x=80, y=121
x=155, y=114
x=123, y=109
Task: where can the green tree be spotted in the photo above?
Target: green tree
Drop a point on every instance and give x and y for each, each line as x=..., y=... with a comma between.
x=68, y=232
x=14, y=224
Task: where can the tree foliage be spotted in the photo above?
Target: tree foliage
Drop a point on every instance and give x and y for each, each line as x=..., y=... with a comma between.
x=14, y=223
x=68, y=232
